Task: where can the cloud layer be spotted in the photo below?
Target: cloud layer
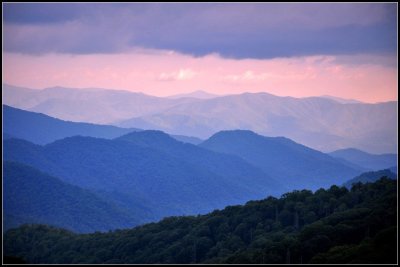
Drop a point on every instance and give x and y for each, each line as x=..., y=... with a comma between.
x=340, y=49
x=235, y=30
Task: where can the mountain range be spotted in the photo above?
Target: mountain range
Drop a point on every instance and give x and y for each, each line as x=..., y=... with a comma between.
x=151, y=175
x=317, y=122
x=92, y=105
x=42, y=129
x=274, y=156
x=129, y=174
x=293, y=164
x=148, y=173
x=366, y=160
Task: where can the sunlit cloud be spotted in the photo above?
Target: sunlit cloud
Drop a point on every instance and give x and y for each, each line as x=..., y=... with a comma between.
x=247, y=76
x=181, y=75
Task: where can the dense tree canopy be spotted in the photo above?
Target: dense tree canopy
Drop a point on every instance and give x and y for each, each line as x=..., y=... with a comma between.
x=329, y=226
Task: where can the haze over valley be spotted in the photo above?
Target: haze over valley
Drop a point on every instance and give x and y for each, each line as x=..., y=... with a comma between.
x=318, y=122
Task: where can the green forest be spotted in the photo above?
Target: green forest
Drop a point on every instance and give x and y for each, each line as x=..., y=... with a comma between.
x=335, y=225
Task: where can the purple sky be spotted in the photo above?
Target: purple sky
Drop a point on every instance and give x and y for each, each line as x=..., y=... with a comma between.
x=320, y=48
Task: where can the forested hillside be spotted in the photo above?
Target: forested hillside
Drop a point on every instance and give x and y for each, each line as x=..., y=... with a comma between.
x=293, y=164
x=30, y=195
x=187, y=180
x=329, y=226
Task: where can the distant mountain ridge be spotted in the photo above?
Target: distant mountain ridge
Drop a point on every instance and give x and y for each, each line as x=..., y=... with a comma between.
x=321, y=123
x=204, y=158
x=294, y=165
x=94, y=105
x=187, y=139
x=366, y=160
x=42, y=129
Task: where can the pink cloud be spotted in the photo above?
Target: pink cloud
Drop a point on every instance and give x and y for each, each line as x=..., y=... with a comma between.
x=182, y=74
x=147, y=70
x=247, y=76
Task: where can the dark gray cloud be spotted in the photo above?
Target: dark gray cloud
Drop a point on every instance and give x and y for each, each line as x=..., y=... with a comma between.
x=41, y=13
x=258, y=30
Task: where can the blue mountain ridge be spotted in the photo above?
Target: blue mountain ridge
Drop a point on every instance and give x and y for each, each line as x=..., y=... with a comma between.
x=128, y=174
x=292, y=164
x=35, y=197
x=366, y=160
x=152, y=175
x=41, y=129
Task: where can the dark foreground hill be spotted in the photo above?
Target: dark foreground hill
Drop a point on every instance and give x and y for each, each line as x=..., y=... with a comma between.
x=328, y=226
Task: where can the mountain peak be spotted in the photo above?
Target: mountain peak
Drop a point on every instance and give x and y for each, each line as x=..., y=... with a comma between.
x=226, y=133
x=148, y=138
x=245, y=134
x=237, y=131
x=287, y=161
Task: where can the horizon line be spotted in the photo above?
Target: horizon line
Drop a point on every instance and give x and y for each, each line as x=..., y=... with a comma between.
x=334, y=98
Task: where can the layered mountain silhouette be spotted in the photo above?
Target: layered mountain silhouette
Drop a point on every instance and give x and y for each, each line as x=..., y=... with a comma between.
x=293, y=164
x=185, y=180
x=187, y=139
x=229, y=167
x=151, y=175
x=130, y=176
x=92, y=105
x=42, y=129
x=318, y=122
x=366, y=160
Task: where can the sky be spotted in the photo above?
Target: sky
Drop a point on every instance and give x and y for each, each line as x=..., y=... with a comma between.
x=310, y=49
